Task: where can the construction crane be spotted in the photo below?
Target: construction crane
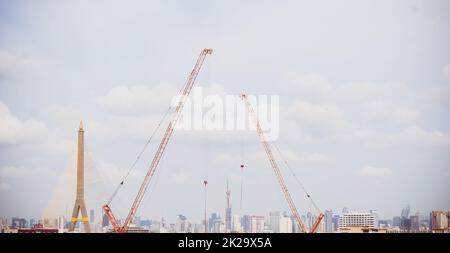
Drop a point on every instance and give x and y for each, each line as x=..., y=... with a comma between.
x=184, y=94
x=277, y=171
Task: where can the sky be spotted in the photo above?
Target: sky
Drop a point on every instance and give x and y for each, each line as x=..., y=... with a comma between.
x=363, y=86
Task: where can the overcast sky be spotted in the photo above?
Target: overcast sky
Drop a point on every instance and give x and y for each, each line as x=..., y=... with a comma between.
x=364, y=91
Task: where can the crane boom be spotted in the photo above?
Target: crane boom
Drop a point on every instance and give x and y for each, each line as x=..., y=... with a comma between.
x=162, y=146
x=278, y=174
x=274, y=165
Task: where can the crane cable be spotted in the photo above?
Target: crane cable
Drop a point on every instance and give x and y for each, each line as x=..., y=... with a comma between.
x=296, y=178
x=180, y=92
x=139, y=156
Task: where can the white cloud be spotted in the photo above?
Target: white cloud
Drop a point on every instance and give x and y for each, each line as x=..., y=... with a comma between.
x=310, y=86
x=5, y=186
x=135, y=111
x=19, y=67
x=14, y=130
x=181, y=178
x=295, y=159
x=315, y=158
x=136, y=100
x=366, y=91
x=303, y=120
x=417, y=135
x=21, y=172
x=313, y=87
x=314, y=112
x=370, y=171
x=382, y=110
x=446, y=72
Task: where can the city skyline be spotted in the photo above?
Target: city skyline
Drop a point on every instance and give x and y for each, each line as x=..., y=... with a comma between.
x=364, y=92
x=274, y=222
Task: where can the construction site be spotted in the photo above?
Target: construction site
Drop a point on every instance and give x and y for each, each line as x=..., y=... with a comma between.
x=242, y=119
x=128, y=224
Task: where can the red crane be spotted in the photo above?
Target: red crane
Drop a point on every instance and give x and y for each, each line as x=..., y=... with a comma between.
x=184, y=94
x=277, y=171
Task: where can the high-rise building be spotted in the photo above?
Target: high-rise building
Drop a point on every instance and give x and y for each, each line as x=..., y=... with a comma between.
x=256, y=224
x=285, y=225
x=396, y=221
x=405, y=224
x=236, y=226
x=163, y=222
x=415, y=223
x=440, y=221
x=405, y=212
x=105, y=220
x=375, y=215
x=246, y=223
x=19, y=222
x=274, y=221
x=310, y=219
x=181, y=226
x=91, y=216
x=32, y=222
x=354, y=219
x=335, y=223
x=328, y=220
x=214, y=223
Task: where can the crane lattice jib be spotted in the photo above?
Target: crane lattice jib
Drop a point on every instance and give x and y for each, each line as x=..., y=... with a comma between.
x=274, y=165
x=162, y=146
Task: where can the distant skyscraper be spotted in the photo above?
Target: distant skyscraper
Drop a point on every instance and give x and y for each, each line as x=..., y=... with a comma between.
x=335, y=223
x=246, y=223
x=396, y=221
x=375, y=215
x=439, y=221
x=274, y=221
x=309, y=220
x=405, y=212
x=405, y=224
x=19, y=222
x=257, y=224
x=237, y=227
x=285, y=225
x=32, y=222
x=105, y=221
x=181, y=225
x=328, y=219
x=91, y=216
x=214, y=223
x=415, y=223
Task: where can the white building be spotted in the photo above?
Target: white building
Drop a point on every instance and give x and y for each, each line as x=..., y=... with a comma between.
x=256, y=224
x=285, y=225
x=354, y=219
x=182, y=224
x=236, y=224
